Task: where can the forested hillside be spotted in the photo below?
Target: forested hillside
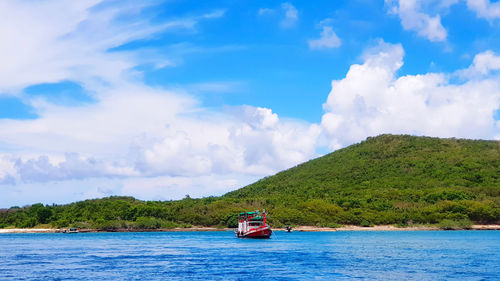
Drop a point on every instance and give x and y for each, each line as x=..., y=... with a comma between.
x=389, y=179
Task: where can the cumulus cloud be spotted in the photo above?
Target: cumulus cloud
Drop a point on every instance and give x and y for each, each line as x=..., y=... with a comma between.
x=484, y=63
x=73, y=166
x=131, y=132
x=153, y=143
x=137, y=131
x=372, y=100
x=249, y=144
x=174, y=157
x=414, y=18
x=485, y=9
x=328, y=38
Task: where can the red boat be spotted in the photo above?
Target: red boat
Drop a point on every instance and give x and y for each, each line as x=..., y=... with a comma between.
x=253, y=225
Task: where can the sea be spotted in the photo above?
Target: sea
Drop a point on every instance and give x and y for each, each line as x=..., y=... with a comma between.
x=219, y=255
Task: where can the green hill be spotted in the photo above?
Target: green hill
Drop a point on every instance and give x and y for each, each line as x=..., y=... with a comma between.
x=389, y=179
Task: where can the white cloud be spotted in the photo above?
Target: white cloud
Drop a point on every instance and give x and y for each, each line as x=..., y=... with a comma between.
x=484, y=63
x=244, y=144
x=372, y=100
x=131, y=131
x=485, y=9
x=219, y=87
x=7, y=170
x=214, y=15
x=413, y=18
x=265, y=11
x=248, y=144
x=153, y=143
x=291, y=14
x=50, y=41
x=135, y=130
x=328, y=39
x=73, y=167
x=287, y=11
x=260, y=118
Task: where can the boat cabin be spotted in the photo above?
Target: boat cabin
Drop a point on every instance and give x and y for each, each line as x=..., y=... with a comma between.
x=253, y=225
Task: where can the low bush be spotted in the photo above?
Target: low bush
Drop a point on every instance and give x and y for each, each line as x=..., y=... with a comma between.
x=110, y=225
x=366, y=223
x=147, y=223
x=448, y=224
x=169, y=224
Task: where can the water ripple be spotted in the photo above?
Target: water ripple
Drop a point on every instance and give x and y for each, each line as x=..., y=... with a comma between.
x=428, y=255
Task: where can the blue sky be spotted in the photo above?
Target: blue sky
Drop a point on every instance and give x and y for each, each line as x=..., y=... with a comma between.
x=254, y=60
x=160, y=99
x=262, y=57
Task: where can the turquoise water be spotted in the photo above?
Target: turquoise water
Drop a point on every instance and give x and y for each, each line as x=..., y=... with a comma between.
x=424, y=255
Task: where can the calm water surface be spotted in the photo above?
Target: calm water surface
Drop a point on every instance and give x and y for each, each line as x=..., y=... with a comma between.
x=424, y=255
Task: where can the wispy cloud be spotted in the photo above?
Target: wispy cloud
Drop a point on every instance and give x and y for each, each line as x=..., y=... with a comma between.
x=214, y=15
x=265, y=11
x=485, y=9
x=414, y=18
x=132, y=132
x=291, y=15
x=73, y=44
x=220, y=87
x=328, y=37
x=287, y=11
x=156, y=143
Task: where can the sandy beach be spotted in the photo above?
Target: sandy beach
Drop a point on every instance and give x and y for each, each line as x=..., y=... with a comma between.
x=54, y=230
x=298, y=228
x=28, y=230
x=383, y=228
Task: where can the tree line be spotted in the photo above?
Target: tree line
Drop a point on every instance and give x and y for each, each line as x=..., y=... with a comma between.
x=401, y=180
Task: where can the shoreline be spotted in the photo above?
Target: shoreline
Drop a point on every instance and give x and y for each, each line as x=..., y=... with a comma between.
x=386, y=228
x=298, y=228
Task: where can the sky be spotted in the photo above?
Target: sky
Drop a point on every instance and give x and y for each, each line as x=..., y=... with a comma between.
x=162, y=99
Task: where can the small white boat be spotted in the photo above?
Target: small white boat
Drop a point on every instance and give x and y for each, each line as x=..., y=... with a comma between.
x=71, y=230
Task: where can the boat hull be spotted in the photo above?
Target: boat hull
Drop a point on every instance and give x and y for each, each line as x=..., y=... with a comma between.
x=260, y=233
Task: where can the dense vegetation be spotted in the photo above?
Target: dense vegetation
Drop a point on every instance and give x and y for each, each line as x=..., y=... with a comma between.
x=387, y=179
